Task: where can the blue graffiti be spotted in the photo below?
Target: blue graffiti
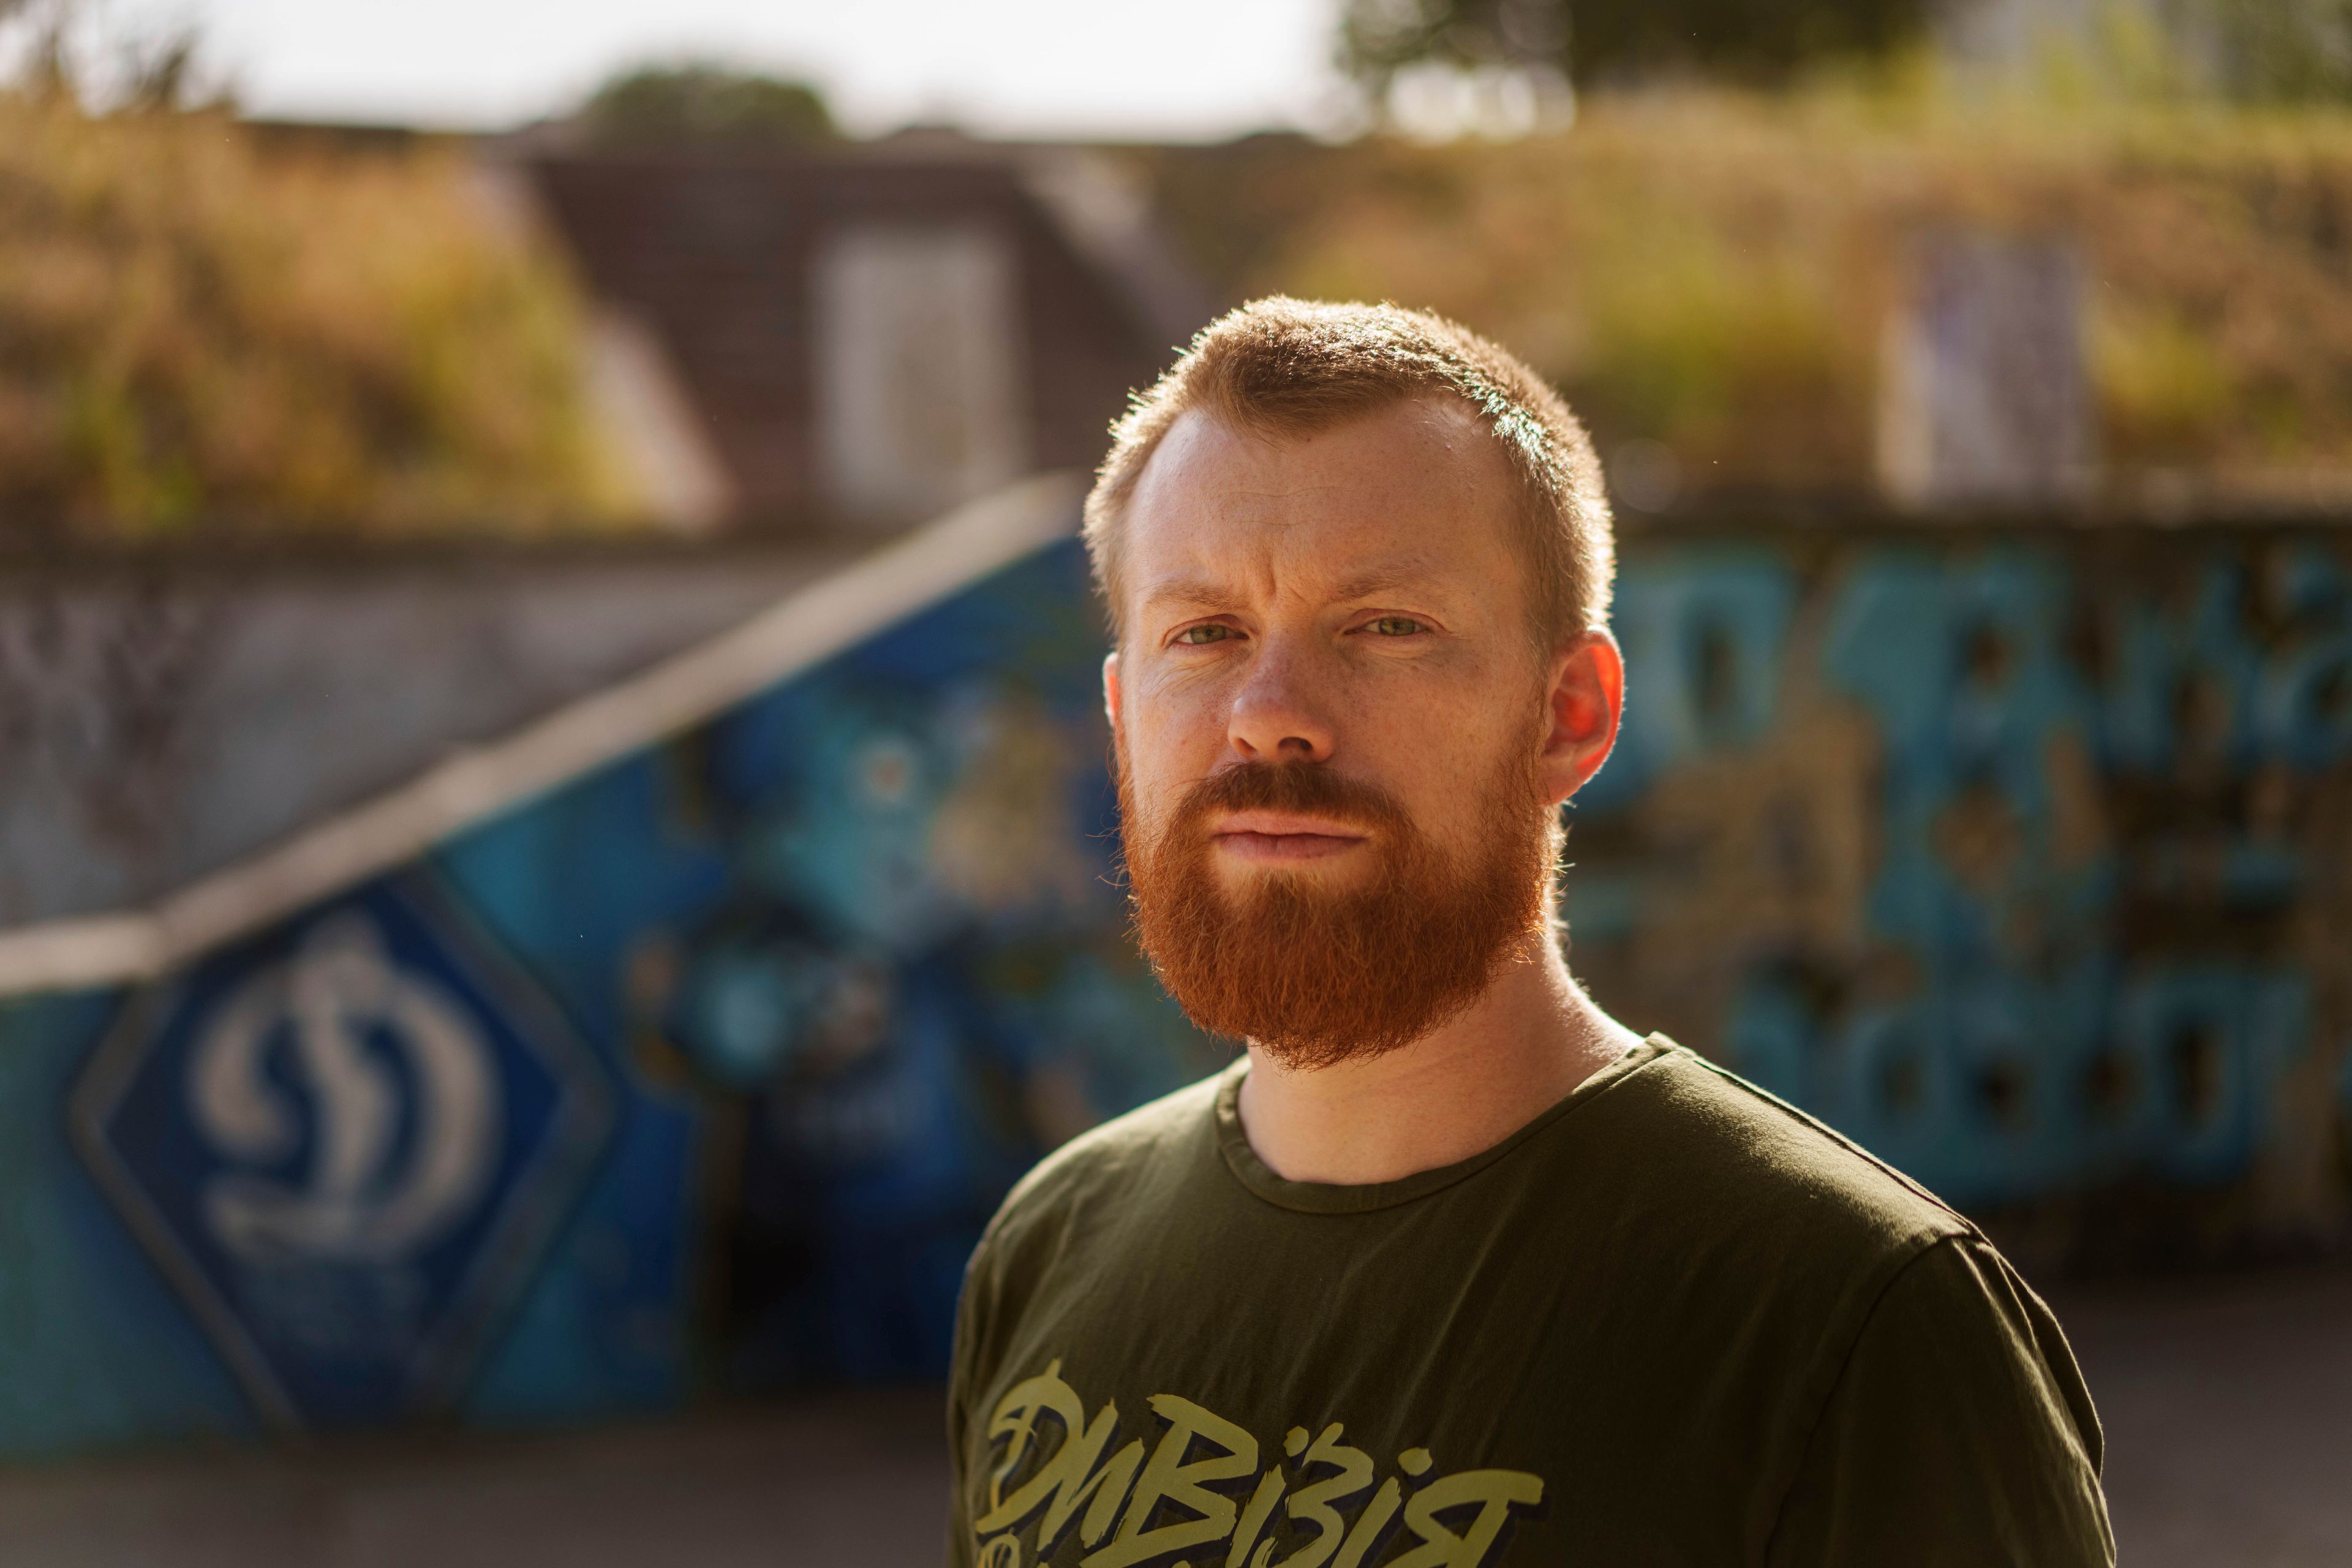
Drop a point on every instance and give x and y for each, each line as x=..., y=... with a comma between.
x=2035, y=1050
x=848, y=957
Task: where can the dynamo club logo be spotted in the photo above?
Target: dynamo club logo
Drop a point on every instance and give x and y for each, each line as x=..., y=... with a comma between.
x=347, y=1145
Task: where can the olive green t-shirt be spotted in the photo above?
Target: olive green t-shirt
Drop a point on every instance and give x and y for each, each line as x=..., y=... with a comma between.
x=1671, y=1321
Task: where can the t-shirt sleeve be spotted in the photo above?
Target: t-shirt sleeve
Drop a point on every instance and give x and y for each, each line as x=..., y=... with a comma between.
x=962, y=1373
x=1960, y=1432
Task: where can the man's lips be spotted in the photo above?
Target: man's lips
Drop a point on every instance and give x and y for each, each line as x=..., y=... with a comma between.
x=1282, y=837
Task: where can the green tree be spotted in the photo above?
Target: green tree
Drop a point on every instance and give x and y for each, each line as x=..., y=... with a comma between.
x=2273, y=50
x=705, y=104
x=1608, y=40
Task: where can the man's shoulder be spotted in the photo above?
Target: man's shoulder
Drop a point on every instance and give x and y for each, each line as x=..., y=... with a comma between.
x=1105, y=1166
x=1734, y=1160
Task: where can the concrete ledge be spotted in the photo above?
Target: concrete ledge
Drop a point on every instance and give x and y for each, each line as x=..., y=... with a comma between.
x=799, y=631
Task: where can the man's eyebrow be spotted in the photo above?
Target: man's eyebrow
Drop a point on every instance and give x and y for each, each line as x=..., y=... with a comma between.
x=1370, y=582
x=1186, y=591
x=1384, y=579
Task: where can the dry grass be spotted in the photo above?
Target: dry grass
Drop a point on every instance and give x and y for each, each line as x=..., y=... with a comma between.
x=1716, y=271
x=198, y=332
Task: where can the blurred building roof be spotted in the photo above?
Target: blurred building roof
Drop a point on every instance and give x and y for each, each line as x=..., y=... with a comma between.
x=822, y=313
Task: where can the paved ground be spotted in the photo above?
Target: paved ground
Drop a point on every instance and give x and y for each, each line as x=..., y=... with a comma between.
x=2228, y=1405
x=844, y=1483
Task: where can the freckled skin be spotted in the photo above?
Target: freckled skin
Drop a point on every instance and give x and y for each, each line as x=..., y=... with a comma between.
x=1354, y=597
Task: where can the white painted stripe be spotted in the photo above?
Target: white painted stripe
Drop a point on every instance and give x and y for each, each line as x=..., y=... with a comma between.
x=800, y=630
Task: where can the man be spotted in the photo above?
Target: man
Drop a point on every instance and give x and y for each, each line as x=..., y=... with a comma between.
x=1451, y=1270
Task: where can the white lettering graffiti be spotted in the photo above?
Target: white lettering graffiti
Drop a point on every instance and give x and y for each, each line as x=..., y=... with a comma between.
x=367, y=1193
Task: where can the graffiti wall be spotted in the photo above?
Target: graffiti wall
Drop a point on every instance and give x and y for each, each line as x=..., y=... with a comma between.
x=2021, y=858
x=702, y=1072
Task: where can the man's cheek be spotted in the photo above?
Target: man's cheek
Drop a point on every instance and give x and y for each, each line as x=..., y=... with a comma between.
x=1150, y=807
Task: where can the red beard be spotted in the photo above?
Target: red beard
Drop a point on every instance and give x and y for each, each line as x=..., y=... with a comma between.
x=1314, y=976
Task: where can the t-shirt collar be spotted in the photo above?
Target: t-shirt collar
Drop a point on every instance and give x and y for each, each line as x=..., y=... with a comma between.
x=1330, y=1198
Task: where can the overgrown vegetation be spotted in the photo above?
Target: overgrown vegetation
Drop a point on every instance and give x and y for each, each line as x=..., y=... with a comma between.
x=2245, y=50
x=202, y=325
x=201, y=329
x=1713, y=271
x=1594, y=41
x=705, y=105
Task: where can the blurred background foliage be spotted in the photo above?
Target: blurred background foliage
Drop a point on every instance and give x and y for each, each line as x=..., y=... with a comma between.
x=1694, y=215
x=2274, y=50
x=705, y=104
x=201, y=323
x=1600, y=41
x=1713, y=268
x=2266, y=50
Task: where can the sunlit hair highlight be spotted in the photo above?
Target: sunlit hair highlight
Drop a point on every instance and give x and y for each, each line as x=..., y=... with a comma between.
x=1287, y=367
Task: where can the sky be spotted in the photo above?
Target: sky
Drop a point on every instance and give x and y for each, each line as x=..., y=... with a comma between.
x=1113, y=70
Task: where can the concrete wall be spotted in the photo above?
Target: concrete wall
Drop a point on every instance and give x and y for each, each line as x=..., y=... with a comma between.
x=163, y=717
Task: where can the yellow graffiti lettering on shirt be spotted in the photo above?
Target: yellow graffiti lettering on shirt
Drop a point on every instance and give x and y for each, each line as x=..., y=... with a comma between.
x=1199, y=1469
x=1253, y=1519
x=1170, y=1478
x=1495, y=1492
x=1312, y=1505
x=1063, y=1482
x=1369, y=1525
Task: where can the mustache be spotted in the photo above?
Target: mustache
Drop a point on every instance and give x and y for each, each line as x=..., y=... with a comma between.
x=1309, y=788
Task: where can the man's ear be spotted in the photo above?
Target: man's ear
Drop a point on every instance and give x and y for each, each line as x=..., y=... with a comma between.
x=1587, y=698
x=1110, y=689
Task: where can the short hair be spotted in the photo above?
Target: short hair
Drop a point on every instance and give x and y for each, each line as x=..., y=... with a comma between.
x=1291, y=367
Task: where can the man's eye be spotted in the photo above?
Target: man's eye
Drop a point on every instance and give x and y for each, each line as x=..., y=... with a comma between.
x=1397, y=626
x=1209, y=633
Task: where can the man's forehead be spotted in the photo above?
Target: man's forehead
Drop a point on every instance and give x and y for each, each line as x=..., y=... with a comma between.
x=1387, y=499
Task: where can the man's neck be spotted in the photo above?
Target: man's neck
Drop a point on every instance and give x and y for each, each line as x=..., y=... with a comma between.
x=1457, y=1091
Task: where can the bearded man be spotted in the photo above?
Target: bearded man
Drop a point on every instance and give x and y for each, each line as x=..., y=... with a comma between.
x=1450, y=1268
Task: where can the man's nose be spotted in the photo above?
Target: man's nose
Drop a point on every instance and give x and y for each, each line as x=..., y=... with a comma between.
x=1276, y=717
